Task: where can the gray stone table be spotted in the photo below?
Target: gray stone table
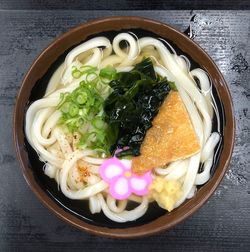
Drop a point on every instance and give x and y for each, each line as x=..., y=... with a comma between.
x=223, y=224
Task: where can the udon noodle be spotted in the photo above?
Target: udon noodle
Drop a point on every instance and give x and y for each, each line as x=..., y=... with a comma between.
x=60, y=154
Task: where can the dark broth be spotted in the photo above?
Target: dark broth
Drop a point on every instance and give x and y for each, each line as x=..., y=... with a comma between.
x=80, y=208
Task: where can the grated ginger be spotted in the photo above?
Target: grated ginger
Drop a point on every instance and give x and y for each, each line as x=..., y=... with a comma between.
x=166, y=193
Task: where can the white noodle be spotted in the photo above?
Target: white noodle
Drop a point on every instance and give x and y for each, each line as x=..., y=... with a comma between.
x=55, y=80
x=94, y=204
x=90, y=44
x=125, y=215
x=79, y=194
x=208, y=148
x=133, y=48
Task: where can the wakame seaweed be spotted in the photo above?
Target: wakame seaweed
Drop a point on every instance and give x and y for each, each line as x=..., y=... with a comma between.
x=134, y=102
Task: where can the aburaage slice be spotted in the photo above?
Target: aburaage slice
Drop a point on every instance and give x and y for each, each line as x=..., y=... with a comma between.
x=171, y=137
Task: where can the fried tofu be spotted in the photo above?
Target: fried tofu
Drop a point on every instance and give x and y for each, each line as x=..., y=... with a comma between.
x=171, y=137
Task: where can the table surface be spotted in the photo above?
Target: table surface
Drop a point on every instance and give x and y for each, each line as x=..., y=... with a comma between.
x=124, y=4
x=223, y=224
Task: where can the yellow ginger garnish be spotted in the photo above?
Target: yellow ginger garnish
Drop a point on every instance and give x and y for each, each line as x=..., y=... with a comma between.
x=166, y=193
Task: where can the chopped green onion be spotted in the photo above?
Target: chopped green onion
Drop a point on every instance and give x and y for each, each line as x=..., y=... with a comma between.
x=92, y=77
x=81, y=98
x=108, y=73
x=172, y=86
x=100, y=136
x=82, y=112
x=65, y=107
x=76, y=74
x=88, y=69
x=98, y=123
x=73, y=110
x=85, y=111
x=80, y=122
x=62, y=99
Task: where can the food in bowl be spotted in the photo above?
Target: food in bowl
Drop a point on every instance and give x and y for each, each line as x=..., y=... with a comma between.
x=125, y=121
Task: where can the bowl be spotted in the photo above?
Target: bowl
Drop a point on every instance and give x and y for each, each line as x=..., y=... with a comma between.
x=33, y=87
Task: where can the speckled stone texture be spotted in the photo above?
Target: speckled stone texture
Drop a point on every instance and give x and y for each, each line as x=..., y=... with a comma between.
x=223, y=224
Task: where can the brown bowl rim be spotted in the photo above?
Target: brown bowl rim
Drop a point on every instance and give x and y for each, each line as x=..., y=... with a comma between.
x=186, y=209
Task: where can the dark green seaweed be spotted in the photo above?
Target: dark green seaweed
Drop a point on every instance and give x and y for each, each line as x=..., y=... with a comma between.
x=136, y=98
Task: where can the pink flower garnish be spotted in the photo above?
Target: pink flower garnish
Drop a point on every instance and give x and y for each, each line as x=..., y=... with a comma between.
x=122, y=182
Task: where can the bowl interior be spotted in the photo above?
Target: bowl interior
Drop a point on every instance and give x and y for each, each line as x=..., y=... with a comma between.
x=77, y=211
